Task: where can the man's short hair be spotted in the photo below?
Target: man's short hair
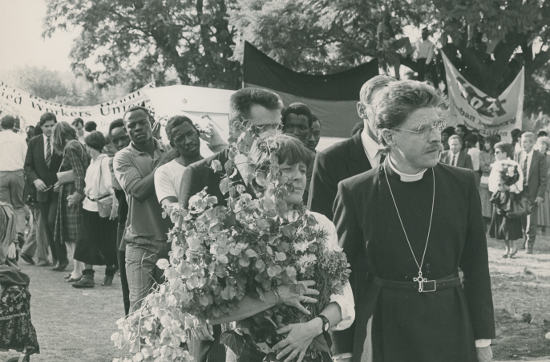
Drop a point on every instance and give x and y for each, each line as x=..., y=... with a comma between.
x=373, y=85
x=448, y=131
x=90, y=126
x=299, y=109
x=242, y=100
x=399, y=99
x=48, y=116
x=139, y=108
x=95, y=140
x=176, y=121
x=78, y=121
x=455, y=137
x=116, y=124
x=528, y=135
x=542, y=133
x=7, y=122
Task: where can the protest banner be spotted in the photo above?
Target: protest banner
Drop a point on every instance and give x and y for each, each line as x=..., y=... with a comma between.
x=470, y=106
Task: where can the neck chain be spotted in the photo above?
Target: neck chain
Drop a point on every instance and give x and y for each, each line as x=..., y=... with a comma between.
x=430, y=284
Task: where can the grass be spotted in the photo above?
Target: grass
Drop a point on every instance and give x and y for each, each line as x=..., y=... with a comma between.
x=76, y=324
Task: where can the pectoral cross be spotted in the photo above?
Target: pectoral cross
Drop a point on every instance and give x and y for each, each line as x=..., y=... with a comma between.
x=424, y=285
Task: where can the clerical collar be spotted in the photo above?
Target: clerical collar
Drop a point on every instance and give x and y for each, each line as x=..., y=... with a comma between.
x=406, y=177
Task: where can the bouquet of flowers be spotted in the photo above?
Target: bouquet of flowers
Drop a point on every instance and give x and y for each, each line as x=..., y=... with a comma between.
x=222, y=253
x=508, y=172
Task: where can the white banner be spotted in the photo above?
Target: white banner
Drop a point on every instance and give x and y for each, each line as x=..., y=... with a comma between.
x=472, y=107
x=29, y=108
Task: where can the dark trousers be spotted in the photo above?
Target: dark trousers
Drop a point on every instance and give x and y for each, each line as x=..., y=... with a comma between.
x=529, y=223
x=121, y=256
x=48, y=209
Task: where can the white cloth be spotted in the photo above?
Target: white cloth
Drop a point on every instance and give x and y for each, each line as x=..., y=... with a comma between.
x=372, y=149
x=13, y=150
x=406, y=177
x=494, y=177
x=168, y=180
x=474, y=155
x=425, y=50
x=344, y=300
x=94, y=186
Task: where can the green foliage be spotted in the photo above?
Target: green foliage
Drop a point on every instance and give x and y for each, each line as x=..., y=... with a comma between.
x=136, y=39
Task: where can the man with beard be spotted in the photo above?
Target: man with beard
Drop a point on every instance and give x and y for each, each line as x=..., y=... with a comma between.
x=406, y=245
x=146, y=229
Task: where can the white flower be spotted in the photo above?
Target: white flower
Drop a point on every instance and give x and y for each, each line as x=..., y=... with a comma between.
x=306, y=261
x=163, y=264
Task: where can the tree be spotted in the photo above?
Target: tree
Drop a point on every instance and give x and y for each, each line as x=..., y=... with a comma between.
x=489, y=40
x=137, y=39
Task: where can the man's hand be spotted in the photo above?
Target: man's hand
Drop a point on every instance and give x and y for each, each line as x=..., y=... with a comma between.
x=203, y=332
x=114, y=209
x=212, y=135
x=296, y=294
x=300, y=336
x=539, y=200
x=40, y=185
x=166, y=157
x=484, y=354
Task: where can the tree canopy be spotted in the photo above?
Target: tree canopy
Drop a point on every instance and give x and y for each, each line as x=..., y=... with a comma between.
x=201, y=40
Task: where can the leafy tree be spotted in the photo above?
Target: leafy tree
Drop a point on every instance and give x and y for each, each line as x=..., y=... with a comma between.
x=488, y=40
x=136, y=39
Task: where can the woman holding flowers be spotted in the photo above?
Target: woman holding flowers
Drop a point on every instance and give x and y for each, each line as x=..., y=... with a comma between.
x=506, y=186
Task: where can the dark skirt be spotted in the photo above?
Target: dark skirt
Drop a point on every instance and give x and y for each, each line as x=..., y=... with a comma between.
x=68, y=218
x=503, y=228
x=96, y=244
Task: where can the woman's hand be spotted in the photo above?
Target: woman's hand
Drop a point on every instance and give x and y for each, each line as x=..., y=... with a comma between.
x=295, y=294
x=74, y=199
x=203, y=332
x=114, y=209
x=300, y=336
x=56, y=186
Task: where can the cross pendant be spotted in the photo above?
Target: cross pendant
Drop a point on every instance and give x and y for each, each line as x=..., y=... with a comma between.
x=425, y=285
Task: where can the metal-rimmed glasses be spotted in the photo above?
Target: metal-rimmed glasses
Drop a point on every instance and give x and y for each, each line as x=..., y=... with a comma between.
x=425, y=129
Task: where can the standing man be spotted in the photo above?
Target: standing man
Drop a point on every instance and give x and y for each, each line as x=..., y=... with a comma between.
x=146, y=229
x=455, y=155
x=314, y=134
x=297, y=121
x=350, y=157
x=78, y=125
x=120, y=140
x=262, y=110
x=410, y=304
x=41, y=166
x=13, y=149
x=533, y=165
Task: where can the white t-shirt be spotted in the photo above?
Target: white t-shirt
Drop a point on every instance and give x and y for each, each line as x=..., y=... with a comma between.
x=13, y=149
x=168, y=180
x=94, y=186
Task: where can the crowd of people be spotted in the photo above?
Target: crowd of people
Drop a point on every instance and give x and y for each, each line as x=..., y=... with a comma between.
x=91, y=199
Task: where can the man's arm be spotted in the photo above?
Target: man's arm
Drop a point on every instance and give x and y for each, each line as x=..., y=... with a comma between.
x=130, y=179
x=468, y=161
x=542, y=176
x=475, y=265
x=322, y=189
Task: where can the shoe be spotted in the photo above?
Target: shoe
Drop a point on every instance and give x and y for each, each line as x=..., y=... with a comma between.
x=61, y=266
x=506, y=256
x=87, y=280
x=72, y=280
x=27, y=259
x=107, y=281
x=44, y=263
x=67, y=277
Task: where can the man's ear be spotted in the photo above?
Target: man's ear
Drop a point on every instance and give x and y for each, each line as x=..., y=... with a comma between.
x=361, y=110
x=386, y=136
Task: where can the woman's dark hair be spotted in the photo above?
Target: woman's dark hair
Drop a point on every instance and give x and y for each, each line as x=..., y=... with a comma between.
x=470, y=140
x=116, y=124
x=506, y=148
x=90, y=126
x=287, y=149
x=78, y=121
x=448, y=131
x=62, y=133
x=174, y=122
x=95, y=140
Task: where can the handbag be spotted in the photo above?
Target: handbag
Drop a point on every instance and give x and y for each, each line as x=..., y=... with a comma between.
x=105, y=202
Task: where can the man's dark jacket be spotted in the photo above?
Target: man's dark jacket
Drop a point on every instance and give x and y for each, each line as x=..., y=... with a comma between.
x=36, y=167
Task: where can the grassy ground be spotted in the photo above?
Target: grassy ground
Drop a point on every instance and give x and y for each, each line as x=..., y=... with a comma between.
x=76, y=325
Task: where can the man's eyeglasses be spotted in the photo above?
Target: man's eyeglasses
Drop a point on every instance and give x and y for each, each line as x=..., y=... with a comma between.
x=426, y=128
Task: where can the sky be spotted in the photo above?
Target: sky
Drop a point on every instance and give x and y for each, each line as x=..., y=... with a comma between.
x=21, y=42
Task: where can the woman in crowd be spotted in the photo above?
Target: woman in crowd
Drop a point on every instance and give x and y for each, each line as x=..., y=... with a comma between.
x=486, y=158
x=543, y=217
x=505, y=196
x=70, y=187
x=97, y=242
x=293, y=158
x=472, y=146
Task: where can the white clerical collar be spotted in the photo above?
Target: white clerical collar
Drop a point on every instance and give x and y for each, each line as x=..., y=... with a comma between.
x=406, y=177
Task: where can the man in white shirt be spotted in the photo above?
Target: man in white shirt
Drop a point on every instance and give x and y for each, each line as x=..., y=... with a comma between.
x=13, y=149
x=424, y=53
